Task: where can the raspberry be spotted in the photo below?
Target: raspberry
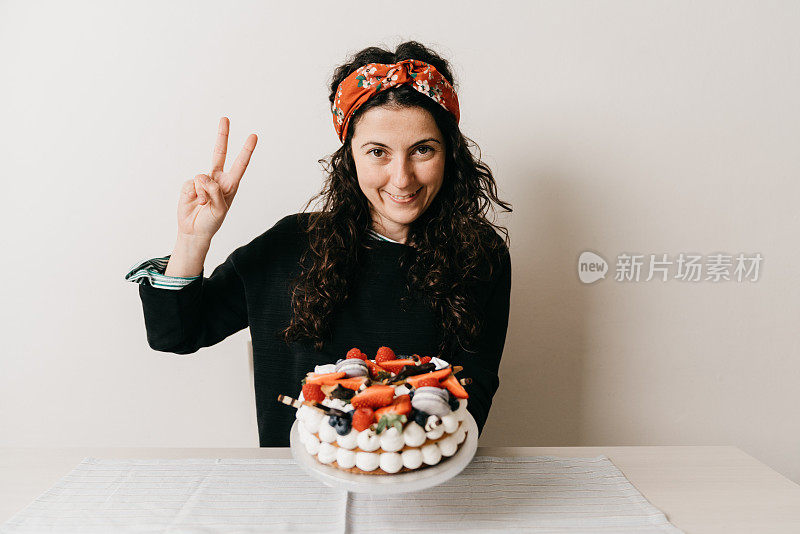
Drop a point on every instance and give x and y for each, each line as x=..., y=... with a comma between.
x=424, y=359
x=355, y=353
x=363, y=418
x=313, y=392
x=384, y=355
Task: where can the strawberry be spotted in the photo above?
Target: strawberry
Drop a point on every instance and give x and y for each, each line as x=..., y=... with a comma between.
x=454, y=386
x=438, y=375
x=400, y=405
x=384, y=355
x=373, y=397
x=355, y=353
x=394, y=366
x=374, y=368
x=363, y=418
x=353, y=383
x=325, y=379
x=429, y=381
x=424, y=359
x=313, y=392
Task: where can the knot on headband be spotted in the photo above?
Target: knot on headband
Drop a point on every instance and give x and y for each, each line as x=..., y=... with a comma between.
x=361, y=84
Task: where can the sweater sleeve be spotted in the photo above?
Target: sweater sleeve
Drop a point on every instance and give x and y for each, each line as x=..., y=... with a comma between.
x=200, y=314
x=483, y=364
x=152, y=272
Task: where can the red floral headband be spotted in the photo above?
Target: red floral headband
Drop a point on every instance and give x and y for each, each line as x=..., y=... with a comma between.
x=372, y=78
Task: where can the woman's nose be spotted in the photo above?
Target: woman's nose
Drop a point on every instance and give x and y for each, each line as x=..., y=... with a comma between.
x=402, y=174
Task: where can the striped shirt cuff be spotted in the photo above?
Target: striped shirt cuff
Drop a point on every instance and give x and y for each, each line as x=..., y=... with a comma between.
x=151, y=272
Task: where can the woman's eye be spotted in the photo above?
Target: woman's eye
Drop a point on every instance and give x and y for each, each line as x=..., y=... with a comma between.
x=424, y=149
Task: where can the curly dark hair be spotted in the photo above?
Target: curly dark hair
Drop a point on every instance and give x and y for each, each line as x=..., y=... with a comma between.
x=453, y=240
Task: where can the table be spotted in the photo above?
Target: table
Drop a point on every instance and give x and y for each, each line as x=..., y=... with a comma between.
x=701, y=489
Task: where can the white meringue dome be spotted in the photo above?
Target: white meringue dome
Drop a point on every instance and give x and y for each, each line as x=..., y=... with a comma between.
x=391, y=462
x=431, y=454
x=345, y=458
x=312, y=444
x=368, y=441
x=412, y=458
x=448, y=445
x=327, y=453
x=450, y=423
x=349, y=440
x=367, y=461
x=326, y=432
x=312, y=419
x=414, y=435
x=391, y=440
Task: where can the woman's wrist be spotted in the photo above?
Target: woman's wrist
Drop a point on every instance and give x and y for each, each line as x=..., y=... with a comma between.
x=188, y=256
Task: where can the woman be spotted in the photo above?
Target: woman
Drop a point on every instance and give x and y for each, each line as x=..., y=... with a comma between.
x=399, y=255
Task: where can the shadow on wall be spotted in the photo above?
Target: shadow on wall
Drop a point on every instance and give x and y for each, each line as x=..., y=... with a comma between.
x=541, y=374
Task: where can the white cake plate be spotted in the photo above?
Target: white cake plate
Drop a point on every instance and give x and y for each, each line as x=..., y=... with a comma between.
x=382, y=484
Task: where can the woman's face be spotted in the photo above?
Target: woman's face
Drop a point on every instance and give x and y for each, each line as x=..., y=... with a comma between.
x=398, y=151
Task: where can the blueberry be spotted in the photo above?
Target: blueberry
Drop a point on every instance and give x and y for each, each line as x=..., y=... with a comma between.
x=452, y=400
x=420, y=418
x=343, y=428
x=341, y=423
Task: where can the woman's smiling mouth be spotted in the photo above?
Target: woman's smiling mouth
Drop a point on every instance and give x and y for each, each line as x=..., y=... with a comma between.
x=404, y=199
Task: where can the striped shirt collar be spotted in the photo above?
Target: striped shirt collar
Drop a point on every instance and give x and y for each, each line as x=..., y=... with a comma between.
x=376, y=235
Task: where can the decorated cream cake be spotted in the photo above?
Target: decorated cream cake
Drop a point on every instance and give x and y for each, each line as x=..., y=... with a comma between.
x=389, y=415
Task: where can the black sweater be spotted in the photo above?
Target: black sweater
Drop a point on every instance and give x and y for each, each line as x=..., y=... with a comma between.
x=251, y=288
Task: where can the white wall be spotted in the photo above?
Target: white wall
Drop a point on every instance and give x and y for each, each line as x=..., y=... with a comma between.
x=648, y=127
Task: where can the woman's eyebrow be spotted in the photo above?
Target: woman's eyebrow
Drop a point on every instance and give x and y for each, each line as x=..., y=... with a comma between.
x=415, y=144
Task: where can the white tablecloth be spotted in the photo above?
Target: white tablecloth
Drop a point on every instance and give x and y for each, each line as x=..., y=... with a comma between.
x=540, y=494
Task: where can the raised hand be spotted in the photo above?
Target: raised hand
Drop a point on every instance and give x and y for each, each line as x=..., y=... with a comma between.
x=205, y=200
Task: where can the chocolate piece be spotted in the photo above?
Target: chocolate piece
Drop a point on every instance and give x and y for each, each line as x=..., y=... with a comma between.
x=413, y=370
x=343, y=393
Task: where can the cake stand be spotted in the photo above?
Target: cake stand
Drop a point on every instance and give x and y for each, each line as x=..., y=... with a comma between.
x=382, y=484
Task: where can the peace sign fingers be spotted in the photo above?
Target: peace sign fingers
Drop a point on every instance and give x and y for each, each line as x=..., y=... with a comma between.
x=221, y=146
x=243, y=159
x=229, y=180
